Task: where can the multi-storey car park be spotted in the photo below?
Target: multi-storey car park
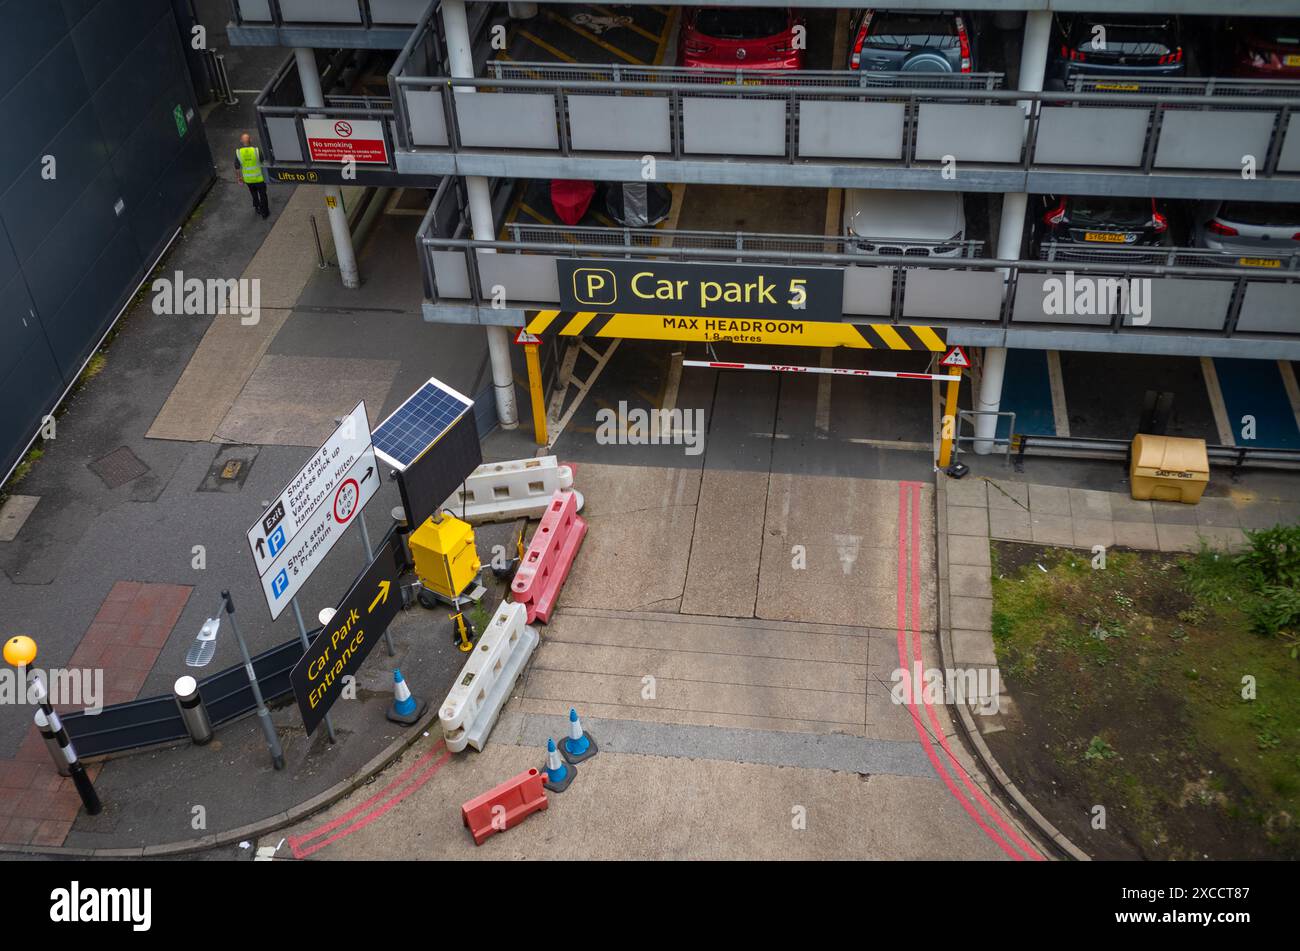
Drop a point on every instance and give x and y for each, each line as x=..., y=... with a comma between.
x=1179, y=111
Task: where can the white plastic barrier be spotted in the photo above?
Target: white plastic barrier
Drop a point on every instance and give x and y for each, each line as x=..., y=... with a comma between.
x=480, y=691
x=500, y=491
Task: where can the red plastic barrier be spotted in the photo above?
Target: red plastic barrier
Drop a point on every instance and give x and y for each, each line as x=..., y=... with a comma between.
x=570, y=198
x=549, y=557
x=505, y=806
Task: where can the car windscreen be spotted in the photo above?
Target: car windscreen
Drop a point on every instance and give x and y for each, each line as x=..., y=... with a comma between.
x=1261, y=213
x=1277, y=32
x=1145, y=38
x=892, y=30
x=1103, y=210
x=741, y=23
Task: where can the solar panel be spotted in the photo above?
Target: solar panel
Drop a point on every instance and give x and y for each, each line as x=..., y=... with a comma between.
x=418, y=423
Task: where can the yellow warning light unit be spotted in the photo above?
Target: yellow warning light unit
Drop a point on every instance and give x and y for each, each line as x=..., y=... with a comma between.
x=446, y=560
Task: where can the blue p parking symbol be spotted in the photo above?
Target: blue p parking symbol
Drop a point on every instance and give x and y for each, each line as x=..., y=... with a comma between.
x=275, y=541
x=280, y=583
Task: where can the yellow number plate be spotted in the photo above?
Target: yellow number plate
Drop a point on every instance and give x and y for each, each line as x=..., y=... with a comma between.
x=1105, y=237
x=1117, y=87
x=1259, y=262
x=1291, y=59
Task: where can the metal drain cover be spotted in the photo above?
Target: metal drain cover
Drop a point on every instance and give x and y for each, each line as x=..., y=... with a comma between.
x=229, y=469
x=119, y=467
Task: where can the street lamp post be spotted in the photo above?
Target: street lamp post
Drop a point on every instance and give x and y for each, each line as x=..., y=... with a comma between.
x=20, y=652
x=202, y=651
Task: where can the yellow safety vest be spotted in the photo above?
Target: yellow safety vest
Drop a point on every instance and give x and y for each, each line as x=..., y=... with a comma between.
x=250, y=164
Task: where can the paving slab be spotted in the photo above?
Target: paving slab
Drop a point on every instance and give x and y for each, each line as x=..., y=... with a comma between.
x=971, y=581
x=1178, y=537
x=1090, y=504
x=968, y=550
x=1004, y=495
x=1052, y=529
x=1137, y=535
x=967, y=520
x=294, y=400
x=1049, y=499
x=1124, y=508
x=14, y=514
x=971, y=491
x=973, y=648
x=1093, y=531
x=726, y=545
x=972, y=614
x=1010, y=524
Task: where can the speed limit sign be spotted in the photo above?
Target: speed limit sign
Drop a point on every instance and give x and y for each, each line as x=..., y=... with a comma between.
x=345, y=500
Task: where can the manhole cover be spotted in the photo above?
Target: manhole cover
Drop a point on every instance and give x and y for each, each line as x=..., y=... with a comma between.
x=229, y=469
x=119, y=467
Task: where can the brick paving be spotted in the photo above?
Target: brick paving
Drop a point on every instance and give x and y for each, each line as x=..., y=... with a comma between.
x=37, y=805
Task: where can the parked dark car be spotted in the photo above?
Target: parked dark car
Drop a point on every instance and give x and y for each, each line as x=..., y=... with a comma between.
x=921, y=41
x=1102, y=221
x=1101, y=45
x=1262, y=48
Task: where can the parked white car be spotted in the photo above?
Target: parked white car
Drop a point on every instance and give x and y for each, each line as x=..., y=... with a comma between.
x=1249, y=227
x=913, y=223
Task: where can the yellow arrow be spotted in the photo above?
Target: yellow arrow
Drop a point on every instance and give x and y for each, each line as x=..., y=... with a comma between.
x=382, y=596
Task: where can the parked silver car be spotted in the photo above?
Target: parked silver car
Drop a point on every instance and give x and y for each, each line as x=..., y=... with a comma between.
x=1256, y=229
x=915, y=223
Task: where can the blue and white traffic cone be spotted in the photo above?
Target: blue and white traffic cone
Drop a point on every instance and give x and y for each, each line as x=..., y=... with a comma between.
x=558, y=774
x=406, y=709
x=578, y=745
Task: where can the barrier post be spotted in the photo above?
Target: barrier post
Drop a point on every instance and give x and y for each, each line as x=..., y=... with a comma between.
x=948, y=425
x=534, y=361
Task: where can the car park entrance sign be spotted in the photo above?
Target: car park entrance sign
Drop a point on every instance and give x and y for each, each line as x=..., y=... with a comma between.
x=672, y=288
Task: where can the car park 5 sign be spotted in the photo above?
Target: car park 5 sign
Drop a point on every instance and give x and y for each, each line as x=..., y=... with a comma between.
x=701, y=290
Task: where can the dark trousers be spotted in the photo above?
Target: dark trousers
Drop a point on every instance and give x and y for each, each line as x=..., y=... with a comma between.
x=258, y=191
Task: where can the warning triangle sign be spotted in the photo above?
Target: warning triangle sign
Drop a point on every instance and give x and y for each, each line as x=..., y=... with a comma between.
x=525, y=337
x=955, y=357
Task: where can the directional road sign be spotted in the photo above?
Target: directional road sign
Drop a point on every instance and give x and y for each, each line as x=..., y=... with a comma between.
x=314, y=483
x=357, y=625
x=297, y=559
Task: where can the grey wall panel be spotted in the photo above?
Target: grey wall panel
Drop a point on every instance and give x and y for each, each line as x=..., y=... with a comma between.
x=155, y=218
x=1187, y=303
x=33, y=111
x=284, y=144
x=525, y=277
x=27, y=393
x=428, y=122
x=30, y=31
x=1289, y=160
x=397, y=11
x=831, y=129
x=257, y=11
x=153, y=144
x=74, y=10
x=109, y=34
x=952, y=295
x=619, y=124
x=1270, y=308
x=1195, y=138
x=1041, y=298
x=33, y=203
x=506, y=120
x=77, y=238
x=8, y=260
x=125, y=99
x=868, y=290
x=93, y=302
x=450, y=274
x=718, y=126
x=969, y=133
x=1086, y=136
x=20, y=327
x=320, y=11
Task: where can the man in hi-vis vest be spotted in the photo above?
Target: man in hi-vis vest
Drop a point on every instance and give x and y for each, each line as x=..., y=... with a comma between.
x=248, y=159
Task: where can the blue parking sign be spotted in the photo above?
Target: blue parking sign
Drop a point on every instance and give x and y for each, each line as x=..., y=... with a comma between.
x=275, y=541
x=280, y=584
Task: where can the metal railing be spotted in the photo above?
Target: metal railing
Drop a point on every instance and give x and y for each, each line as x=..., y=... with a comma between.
x=849, y=79
x=977, y=292
x=1234, y=458
x=741, y=241
x=369, y=13
x=881, y=120
x=1284, y=260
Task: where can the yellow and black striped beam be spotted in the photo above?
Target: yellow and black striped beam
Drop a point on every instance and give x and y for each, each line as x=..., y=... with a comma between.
x=798, y=333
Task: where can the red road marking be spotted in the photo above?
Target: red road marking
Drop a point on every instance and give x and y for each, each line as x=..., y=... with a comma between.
x=975, y=791
x=921, y=733
x=372, y=808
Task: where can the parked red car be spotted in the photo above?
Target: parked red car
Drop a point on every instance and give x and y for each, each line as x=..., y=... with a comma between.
x=739, y=37
x=1265, y=48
